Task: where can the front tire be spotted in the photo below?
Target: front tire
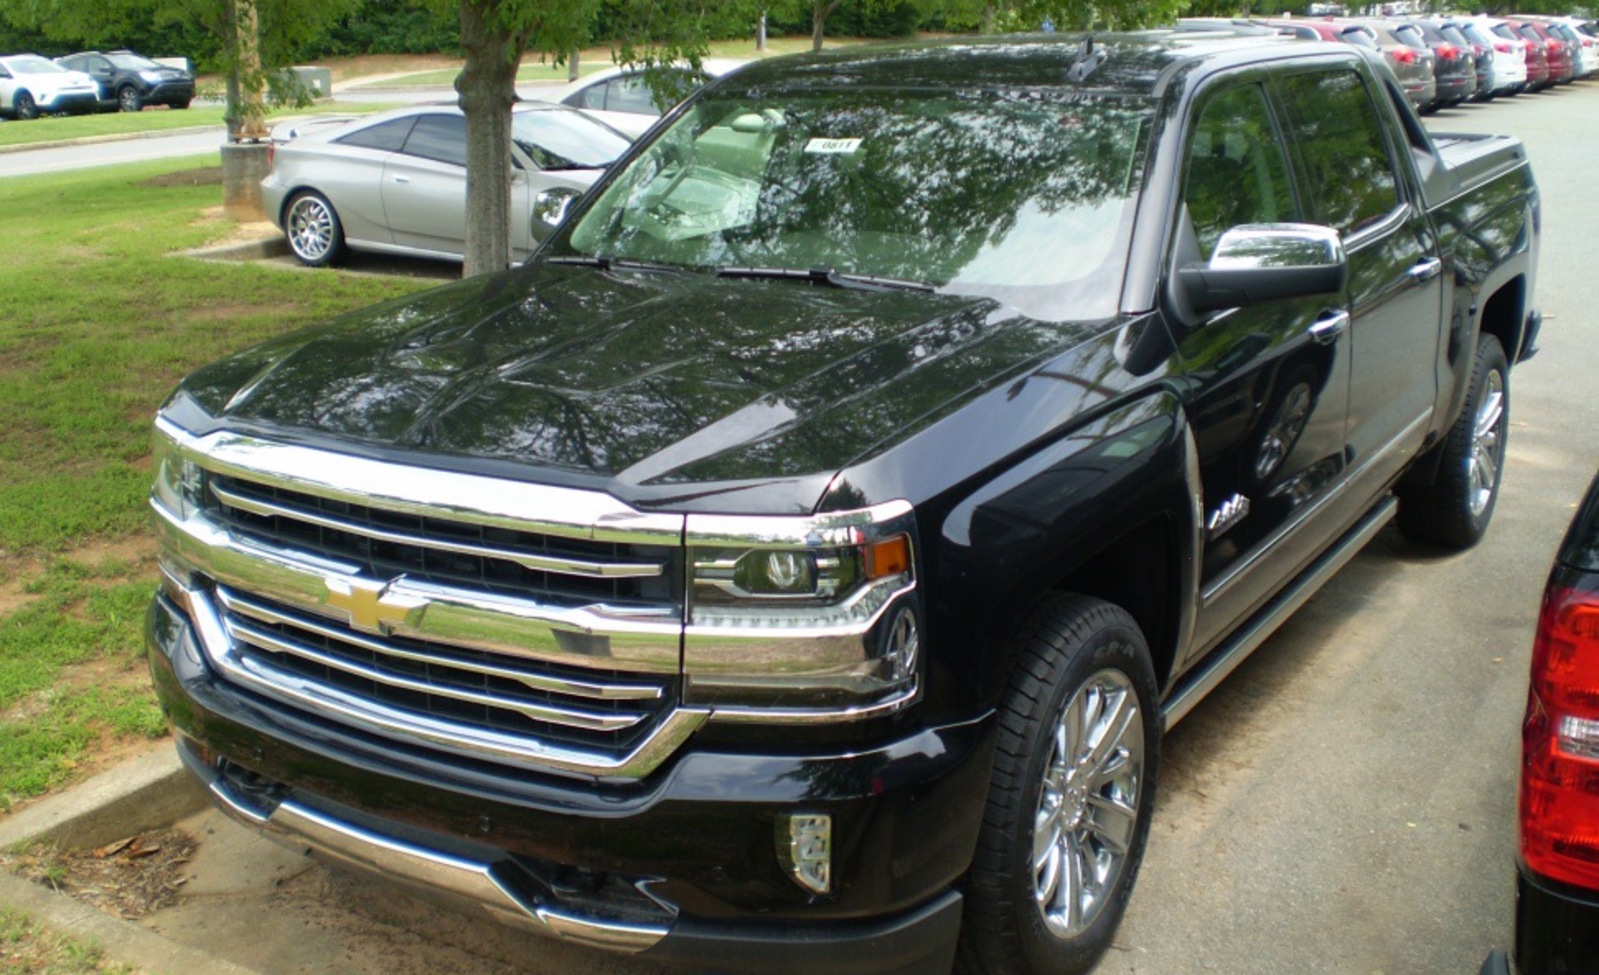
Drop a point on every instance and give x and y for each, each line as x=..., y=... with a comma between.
x=312, y=229
x=1071, y=796
x=129, y=100
x=1454, y=510
x=24, y=107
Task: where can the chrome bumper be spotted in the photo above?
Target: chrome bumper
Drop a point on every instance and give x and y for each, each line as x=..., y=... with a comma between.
x=488, y=887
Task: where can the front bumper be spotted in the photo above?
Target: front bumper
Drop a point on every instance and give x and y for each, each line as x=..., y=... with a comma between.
x=681, y=867
x=68, y=101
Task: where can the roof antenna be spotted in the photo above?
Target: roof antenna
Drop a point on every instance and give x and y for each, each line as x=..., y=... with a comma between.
x=1087, y=60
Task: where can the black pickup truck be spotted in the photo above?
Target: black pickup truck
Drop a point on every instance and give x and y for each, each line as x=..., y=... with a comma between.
x=795, y=565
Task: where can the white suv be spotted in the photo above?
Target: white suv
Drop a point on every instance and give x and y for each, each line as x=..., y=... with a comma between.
x=30, y=84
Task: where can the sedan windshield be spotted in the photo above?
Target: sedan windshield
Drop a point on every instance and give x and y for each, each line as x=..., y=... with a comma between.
x=565, y=139
x=1025, y=197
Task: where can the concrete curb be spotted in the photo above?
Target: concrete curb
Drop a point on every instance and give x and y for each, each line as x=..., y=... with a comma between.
x=150, y=792
x=247, y=250
x=95, y=140
x=122, y=941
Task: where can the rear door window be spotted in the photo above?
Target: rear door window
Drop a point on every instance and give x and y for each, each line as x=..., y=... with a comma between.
x=1347, y=163
x=386, y=136
x=439, y=137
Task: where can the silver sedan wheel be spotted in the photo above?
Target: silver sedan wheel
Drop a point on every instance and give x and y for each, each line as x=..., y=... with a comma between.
x=1088, y=806
x=1487, y=443
x=312, y=228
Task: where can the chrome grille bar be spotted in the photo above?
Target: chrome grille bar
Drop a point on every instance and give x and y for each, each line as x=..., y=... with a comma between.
x=245, y=633
x=560, y=566
x=240, y=606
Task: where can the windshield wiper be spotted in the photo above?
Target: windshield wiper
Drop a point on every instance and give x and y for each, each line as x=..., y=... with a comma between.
x=827, y=275
x=612, y=263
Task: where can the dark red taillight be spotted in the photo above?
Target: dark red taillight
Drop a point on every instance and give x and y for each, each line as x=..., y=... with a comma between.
x=1559, y=805
x=1405, y=55
x=1447, y=52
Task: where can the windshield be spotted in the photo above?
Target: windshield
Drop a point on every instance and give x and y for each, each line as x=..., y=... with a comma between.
x=32, y=64
x=1360, y=37
x=1410, y=36
x=1025, y=197
x=564, y=139
x=132, y=62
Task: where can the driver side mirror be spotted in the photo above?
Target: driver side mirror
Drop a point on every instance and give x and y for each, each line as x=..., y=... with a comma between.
x=1254, y=263
x=550, y=208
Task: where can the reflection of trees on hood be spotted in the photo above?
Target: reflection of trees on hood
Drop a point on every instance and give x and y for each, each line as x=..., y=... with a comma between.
x=949, y=175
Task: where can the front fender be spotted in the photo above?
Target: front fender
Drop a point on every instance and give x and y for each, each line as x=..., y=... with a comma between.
x=1109, y=510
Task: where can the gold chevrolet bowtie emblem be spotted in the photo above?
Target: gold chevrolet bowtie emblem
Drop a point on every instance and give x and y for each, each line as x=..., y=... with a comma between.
x=369, y=604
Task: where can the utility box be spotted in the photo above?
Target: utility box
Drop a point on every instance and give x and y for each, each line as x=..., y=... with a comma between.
x=318, y=82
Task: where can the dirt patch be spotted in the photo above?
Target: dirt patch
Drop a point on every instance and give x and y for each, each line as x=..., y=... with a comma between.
x=205, y=176
x=131, y=878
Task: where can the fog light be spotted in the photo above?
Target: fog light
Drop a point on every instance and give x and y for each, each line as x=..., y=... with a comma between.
x=805, y=845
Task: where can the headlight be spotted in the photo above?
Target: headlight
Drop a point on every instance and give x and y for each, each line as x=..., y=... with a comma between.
x=153, y=77
x=800, y=619
x=178, y=481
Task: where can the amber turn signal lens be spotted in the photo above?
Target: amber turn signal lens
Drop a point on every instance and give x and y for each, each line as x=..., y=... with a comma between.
x=890, y=557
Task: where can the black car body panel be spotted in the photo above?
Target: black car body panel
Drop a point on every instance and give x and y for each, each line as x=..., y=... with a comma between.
x=1184, y=466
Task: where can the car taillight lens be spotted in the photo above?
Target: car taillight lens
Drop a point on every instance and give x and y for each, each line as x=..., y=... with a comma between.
x=1405, y=55
x=1559, y=804
x=1447, y=52
x=1502, y=48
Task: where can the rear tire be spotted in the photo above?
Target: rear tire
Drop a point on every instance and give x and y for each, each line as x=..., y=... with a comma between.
x=1454, y=510
x=1071, y=796
x=312, y=229
x=24, y=108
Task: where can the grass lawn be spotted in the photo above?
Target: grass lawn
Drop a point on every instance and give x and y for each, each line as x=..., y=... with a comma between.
x=598, y=58
x=97, y=323
x=50, y=128
x=56, y=128
x=27, y=950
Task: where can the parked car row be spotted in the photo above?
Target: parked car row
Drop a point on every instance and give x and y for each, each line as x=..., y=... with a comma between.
x=1445, y=60
x=31, y=85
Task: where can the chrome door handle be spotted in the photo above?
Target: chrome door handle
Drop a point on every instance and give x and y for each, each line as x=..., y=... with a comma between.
x=407, y=179
x=1326, y=329
x=1426, y=269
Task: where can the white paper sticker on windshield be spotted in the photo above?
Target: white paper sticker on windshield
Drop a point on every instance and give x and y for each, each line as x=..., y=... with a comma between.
x=842, y=146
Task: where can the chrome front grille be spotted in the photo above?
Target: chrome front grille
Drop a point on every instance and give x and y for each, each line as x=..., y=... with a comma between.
x=601, y=712
x=387, y=543
x=505, y=621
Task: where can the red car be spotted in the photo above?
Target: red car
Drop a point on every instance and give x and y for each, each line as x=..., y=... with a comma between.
x=1561, y=67
x=1557, y=876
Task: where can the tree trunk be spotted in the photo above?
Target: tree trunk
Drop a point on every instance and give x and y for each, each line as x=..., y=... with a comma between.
x=571, y=66
x=487, y=86
x=818, y=18
x=252, y=81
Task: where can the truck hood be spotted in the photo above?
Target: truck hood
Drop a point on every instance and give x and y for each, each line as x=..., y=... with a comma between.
x=642, y=378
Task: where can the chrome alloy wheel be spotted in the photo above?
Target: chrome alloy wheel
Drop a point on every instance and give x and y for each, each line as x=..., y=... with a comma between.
x=1088, y=806
x=1487, y=443
x=311, y=228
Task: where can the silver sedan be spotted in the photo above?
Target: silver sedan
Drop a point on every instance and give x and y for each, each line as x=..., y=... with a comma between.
x=395, y=182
